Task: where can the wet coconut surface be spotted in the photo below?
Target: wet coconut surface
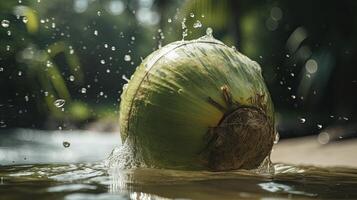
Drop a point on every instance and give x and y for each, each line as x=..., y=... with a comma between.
x=48, y=58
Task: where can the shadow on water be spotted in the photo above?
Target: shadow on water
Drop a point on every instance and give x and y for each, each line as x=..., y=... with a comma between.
x=96, y=180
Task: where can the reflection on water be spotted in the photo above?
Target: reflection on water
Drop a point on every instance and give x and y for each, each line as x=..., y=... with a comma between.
x=96, y=180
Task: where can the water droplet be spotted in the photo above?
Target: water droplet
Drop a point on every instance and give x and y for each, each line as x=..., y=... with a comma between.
x=302, y=120
x=169, y=20
x=184, y=28
x=71, y=78
x=209, y=32
x=59, y=103
x=192, y=15
x=66, y=144
x=180, y=91
x=132, y=38
x=1, y=69
x=125, y=78
x=26, y=98
x=319, y=126
x=293, y=96
x=95, y=32
x=48, y=50
x=311, y=66
x=183, y=23
x=9, y=33
x=19, y=73
x=292, y=74
x=184, y=34
x=71, y=51
x=197, y=24
x=276, y=13
x=323, y=138
x=2, y=124
x=101, y=93
x=25, y=20
x=99, y=13
x=84, y=90
x=127, y=58
x=287, y=55
x=102, y=62
x=277, y=138
x=105, y=45
x=113, y=48
x=5, y=23
x=49, y=63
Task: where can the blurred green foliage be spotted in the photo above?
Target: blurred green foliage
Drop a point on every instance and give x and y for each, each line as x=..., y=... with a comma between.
x=74, y=50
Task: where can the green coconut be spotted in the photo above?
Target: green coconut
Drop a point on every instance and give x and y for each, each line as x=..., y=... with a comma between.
x=198, y=104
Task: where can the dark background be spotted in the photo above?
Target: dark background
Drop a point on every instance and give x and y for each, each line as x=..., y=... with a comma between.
x=74, y=50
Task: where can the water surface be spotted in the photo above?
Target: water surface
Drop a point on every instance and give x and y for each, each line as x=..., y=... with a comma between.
x=95, y=180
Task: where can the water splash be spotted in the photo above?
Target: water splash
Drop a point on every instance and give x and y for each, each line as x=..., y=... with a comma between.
x=123, y=157
x=209, y=32
x=277, y=138
x=265, y=168
x=209, y=36
x=197, y=24
x=125, y=78
x=184, y=28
